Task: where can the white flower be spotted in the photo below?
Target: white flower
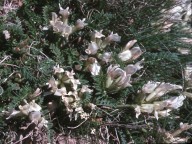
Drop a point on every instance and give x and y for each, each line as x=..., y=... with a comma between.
x=29, y=107
x=93, y=66
x=184, y=51
x=113, y=38
x=117, y=78
x=162, y=113
x=132, y=69
x=128, y=53
x=84, y=115
x=67, y=30
x=144, y=108
x=36, y=93
x=54, y=18
x=174, y=102
x=7, y=34
x=125, y=55
x=105, y=57
x=61, y=92
x=80, y=24
x=43, y=122
x=130, y=44
x=58, y=27
x=188, y=72
x=64, y=12
x=67, y=100
x=98, y=34
x=135, y=52
x=158, y=89
x=93, y=131
x=70, y=75
x=57, y=69
x=75, y=83
x=12, y=113
x=132, y=54
x=85, y=89
x=52, y=84
x=149, y=87
x=185, y=126
x=92, y=48
x=138, y=111
x=92, y=106
x=35, y=116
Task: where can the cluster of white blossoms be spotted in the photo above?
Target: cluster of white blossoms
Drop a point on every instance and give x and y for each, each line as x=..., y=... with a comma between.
x=32, y=110
x=118, y=78
x=61, y=25
x=67, y=87
x=96, y=51
x=150, y=94
x=182, y=10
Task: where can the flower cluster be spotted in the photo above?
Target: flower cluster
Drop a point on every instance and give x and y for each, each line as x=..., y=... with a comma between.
x=96, y=51
x=60, y=25
x=66, y=86
x=150, y=94
x=118, y=78
x=31, y=110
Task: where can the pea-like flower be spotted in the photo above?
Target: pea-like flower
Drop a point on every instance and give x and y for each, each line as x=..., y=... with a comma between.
x=154, y=90
x=80, y=24
x=64, y=12
x=113, y=38
x=105, y=57
x=92, y=48
x=117, y=78
x=61, y=26
x=24, y=110
x=61, y=92
x=93, y=66
x=6, y=34
x=130, y=54
x=58, y=69
x=158, y=89
x=97, y=35
x=29, y=107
